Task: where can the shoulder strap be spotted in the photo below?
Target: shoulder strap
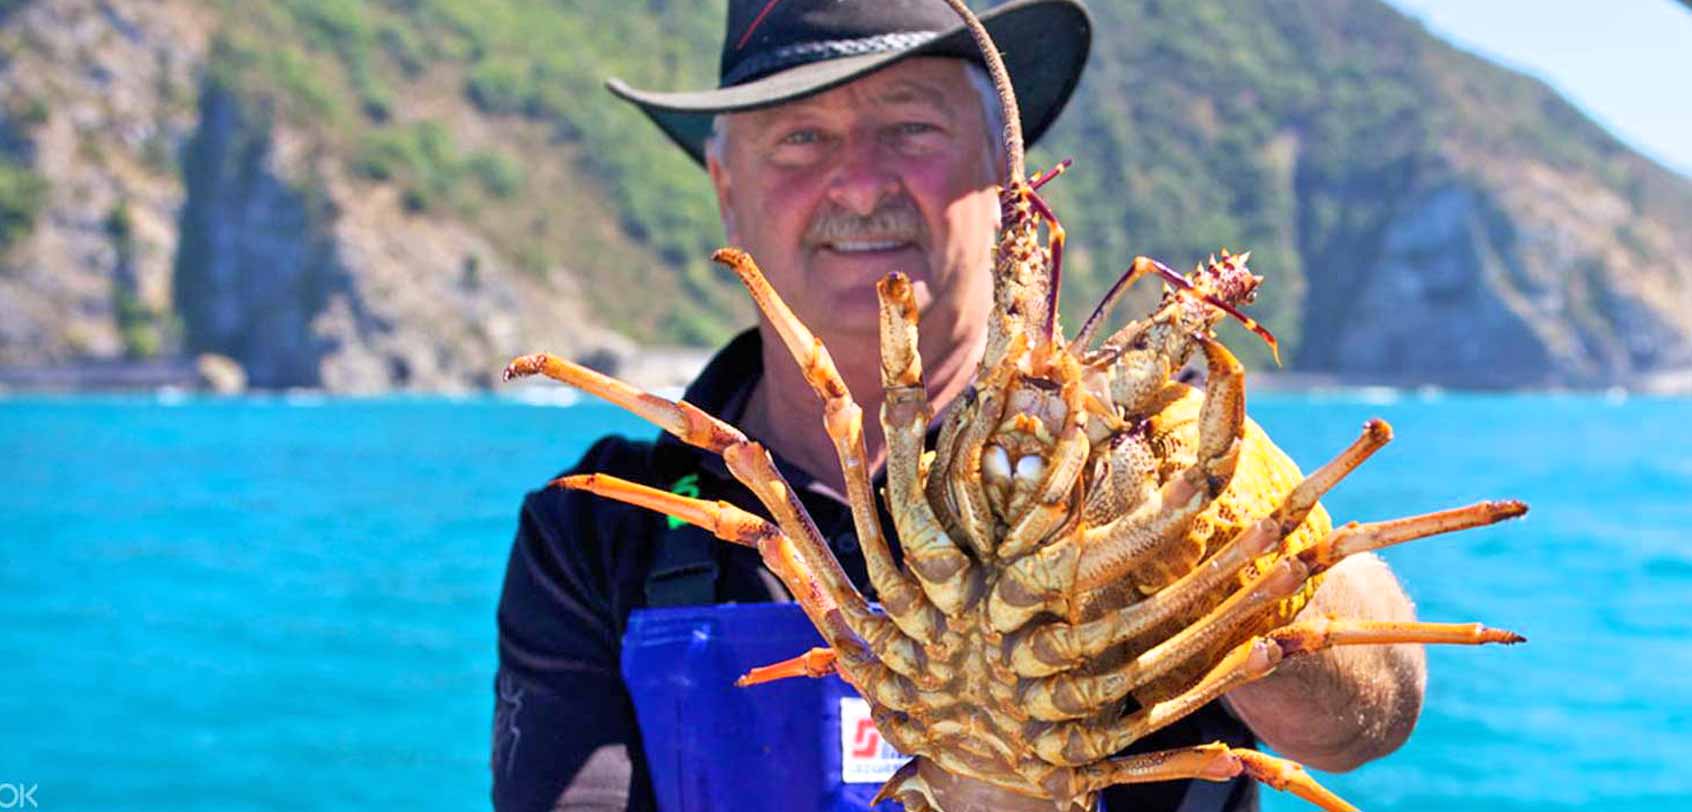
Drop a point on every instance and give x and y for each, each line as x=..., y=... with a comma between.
x=684, y=572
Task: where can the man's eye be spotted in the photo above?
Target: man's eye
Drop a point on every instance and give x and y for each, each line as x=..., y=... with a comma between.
x=802, y=137
x=915, y=128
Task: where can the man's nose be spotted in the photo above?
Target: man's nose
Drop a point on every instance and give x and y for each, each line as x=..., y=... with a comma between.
x=865, y=178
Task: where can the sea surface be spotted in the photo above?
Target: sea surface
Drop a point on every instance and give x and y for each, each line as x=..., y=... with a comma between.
x=287, y=603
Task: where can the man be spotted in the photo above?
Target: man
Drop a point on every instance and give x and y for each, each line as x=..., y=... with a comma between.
x=849, y=138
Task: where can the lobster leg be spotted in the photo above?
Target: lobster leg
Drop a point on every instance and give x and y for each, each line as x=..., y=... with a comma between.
x=1071, y=696
x=1051, y=505
x=753, y=467
x=946, y=573
x=1307, y=636
x=891, y=650
x=818, y=662
x=1058, y=646
x=1083, y=562
x=843, y=420
x=1357, y=537
x=937, y=490
x=966, y=490
x=1063, y=695
x=1247, y=602
x=1117, y=548
x=1140, y=267
x=1077, y=744
x=1211, y=762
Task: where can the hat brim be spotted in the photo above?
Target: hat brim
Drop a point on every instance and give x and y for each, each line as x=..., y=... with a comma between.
x=1044, y=44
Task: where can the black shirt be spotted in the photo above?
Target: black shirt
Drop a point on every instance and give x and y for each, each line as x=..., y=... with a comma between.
x=564, y=733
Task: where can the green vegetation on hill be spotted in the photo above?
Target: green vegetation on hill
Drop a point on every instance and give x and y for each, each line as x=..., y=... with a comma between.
x=424, y=158
x=342, y=66
x=1201, y=124
x=22, y=194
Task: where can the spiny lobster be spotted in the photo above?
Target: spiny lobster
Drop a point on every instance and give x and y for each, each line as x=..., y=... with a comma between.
x=1091, y=551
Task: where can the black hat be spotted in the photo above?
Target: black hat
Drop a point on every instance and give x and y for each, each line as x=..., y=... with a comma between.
x=775, y=51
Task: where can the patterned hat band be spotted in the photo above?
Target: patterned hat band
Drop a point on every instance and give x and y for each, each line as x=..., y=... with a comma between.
x=804, y=53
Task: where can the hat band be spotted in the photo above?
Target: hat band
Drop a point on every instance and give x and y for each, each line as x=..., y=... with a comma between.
x=787, y=56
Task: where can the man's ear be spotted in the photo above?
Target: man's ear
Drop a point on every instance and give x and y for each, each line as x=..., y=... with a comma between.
x=721, y=185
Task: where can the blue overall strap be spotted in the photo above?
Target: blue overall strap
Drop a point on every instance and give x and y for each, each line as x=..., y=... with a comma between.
x=777, y=747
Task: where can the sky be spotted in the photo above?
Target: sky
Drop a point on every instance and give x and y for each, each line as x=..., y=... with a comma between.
x=1626, y=63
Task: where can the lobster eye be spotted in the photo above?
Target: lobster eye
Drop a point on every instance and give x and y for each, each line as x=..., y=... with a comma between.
x=995, y=464
x=1031, y=468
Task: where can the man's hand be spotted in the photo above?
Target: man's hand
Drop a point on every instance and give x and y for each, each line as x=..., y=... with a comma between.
x=1348, y=705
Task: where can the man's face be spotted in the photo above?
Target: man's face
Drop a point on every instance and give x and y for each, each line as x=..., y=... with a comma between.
x=892, y=172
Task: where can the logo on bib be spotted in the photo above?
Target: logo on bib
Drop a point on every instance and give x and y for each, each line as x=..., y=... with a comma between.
x=865, y=757
x=686, y=486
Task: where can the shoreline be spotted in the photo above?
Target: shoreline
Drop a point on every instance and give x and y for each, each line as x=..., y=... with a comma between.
x=668, y=370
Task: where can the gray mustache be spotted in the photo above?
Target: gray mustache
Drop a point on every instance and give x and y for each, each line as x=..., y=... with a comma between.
x=898, y=222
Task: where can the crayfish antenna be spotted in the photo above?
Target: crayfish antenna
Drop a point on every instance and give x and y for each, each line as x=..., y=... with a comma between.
x=1026, y=276
x=1016, y=174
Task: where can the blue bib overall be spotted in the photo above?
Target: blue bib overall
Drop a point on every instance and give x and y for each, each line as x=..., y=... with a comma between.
x=799, y=744
x=791, y=745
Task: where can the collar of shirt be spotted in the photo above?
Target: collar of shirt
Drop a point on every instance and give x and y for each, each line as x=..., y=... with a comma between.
x=723, y=389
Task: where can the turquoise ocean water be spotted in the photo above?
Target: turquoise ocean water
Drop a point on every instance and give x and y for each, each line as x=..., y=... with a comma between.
x=288, y=603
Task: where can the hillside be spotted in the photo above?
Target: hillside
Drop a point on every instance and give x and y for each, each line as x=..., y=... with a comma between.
x=362, y=196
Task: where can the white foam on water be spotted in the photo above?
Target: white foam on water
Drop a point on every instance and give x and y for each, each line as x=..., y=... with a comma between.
x=304, y=398
x=1377, y=395
x=543, y=395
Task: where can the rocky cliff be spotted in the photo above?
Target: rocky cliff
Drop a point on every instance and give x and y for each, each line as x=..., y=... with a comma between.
x=366, y=196
x=95, y=101
x=307, y=280
x=182, y=216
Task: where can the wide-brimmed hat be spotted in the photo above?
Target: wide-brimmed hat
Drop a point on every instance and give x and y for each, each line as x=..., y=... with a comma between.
x=775, y=51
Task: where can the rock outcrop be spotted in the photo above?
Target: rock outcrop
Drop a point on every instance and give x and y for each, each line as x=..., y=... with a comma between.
x=109, y=92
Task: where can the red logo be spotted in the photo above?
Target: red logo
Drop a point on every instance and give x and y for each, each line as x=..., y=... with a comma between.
x=866, y=740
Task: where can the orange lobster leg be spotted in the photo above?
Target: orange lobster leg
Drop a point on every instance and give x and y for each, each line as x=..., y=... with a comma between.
x=752, y=466
x=1078, y=743
x=1141, y=267
x=843, y=420
x=818, y=662
x=686, y=421
x=942, y=568
x=729, y=523
x=1073, y=644
x=1110, y=551
x=1212, y=762
x=887, y=650
x=723, y=520
x=1314, y=635
x=1357, y=537
x=1071, y=696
